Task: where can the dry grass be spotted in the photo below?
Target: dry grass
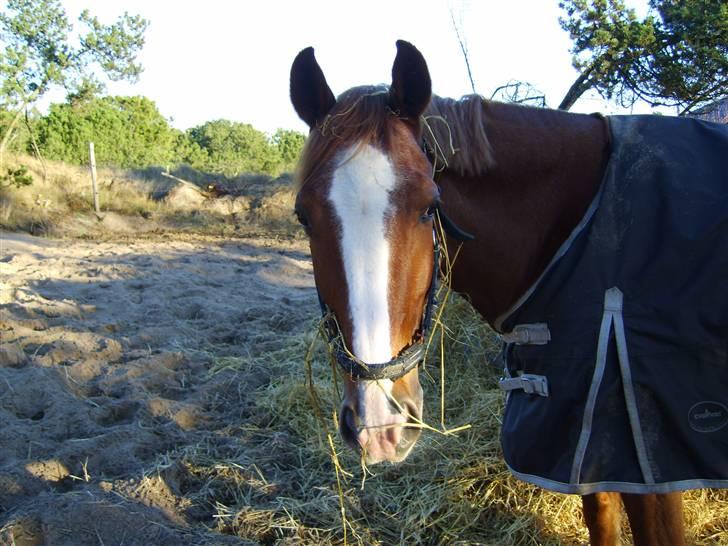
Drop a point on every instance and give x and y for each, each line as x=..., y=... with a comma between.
x=60, y=202
x=293, y=485
x=60, y=191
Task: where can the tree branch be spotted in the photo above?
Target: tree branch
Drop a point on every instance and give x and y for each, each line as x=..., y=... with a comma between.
x=464, y=49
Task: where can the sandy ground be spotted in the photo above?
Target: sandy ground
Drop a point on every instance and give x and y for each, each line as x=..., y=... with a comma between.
x=105, y=357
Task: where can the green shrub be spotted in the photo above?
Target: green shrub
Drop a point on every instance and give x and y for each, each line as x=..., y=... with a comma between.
x=17, y=177
x=126, y=132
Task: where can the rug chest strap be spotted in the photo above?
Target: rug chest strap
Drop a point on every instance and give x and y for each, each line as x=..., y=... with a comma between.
x=525, y=334
x=530, y=383
x=528, y=334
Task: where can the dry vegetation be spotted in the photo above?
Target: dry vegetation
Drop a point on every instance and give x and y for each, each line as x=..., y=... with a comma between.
x=453, y=489
x=60, y=202
x=153, y=390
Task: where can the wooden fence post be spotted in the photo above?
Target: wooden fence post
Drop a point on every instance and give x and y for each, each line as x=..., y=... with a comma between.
x=92, y=163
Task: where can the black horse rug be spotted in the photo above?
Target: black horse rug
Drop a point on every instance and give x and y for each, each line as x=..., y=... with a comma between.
x=617, y=359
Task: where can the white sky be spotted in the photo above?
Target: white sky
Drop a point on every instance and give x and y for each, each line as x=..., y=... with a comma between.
x=211, y=59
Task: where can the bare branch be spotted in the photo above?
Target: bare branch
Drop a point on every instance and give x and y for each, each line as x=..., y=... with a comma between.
x=464, y=49
x=520, y=93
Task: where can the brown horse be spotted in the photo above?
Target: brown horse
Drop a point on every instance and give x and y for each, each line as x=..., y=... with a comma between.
x=518, y=179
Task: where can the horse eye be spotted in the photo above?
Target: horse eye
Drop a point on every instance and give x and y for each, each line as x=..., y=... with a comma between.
x=429, y=213
x=302, y=219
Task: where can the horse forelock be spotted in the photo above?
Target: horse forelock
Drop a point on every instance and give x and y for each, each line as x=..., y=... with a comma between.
x=360, y=116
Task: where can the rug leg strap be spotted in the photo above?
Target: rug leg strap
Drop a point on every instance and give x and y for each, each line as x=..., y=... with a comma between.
x=612, y=321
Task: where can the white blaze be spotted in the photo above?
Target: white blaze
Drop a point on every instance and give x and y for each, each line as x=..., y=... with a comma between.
x=360, y=194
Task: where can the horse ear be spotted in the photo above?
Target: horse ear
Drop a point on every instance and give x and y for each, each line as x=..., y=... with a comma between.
x=310, y=94
x=411, y=87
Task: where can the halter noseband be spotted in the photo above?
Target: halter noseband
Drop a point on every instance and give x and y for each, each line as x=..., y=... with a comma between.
x=410, y=357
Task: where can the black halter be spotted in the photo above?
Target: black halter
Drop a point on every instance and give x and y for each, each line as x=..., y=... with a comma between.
x=410, y=357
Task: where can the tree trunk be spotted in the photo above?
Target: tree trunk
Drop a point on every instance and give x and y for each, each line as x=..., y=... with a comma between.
x=8, y=133
x=577, y=89
x=36, y=149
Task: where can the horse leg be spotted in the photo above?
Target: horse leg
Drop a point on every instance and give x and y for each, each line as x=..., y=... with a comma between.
x=602, y=512
x=655, y=519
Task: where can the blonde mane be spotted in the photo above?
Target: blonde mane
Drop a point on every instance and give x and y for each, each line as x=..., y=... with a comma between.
x=455, y=137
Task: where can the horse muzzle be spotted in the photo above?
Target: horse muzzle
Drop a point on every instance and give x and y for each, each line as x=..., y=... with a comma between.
x=381, y=427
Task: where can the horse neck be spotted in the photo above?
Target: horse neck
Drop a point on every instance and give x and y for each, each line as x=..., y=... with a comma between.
x=548, y=166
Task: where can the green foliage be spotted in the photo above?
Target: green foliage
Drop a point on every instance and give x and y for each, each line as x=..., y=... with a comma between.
x=18, y=177
x=19, y=140
x=289, y=145
x=676, y=56
x=126, y=131
x=232, y=148
x=187, y=151
x=85, y=91
x=131, y=132
x=114, y=47
x=37, y=50
x=691, y=61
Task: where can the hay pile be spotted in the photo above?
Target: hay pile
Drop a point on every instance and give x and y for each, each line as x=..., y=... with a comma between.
x=297, y=484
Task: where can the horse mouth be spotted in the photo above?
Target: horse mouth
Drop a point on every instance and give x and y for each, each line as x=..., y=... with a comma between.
x=382, y=443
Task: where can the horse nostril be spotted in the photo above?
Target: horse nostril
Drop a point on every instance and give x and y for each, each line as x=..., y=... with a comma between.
x=347, y=426
x=411, y=411
x=411, y=430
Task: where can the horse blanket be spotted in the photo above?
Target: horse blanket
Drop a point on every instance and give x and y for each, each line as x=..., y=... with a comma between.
x=617, y=358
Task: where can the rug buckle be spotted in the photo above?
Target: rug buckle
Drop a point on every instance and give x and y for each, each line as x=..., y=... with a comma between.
x=530, y=383
x=528, y=334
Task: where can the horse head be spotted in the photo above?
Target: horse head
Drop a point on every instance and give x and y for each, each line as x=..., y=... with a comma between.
x=366, y=198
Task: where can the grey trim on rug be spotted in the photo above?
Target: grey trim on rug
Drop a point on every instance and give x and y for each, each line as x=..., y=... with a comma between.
x=618, y=487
